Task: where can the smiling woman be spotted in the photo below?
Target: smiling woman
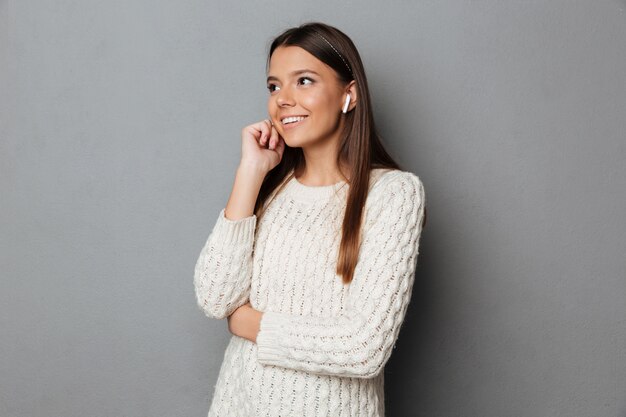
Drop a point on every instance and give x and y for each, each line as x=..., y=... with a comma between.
x=313, y=258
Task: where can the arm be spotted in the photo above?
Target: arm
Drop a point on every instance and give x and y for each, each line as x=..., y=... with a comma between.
x=358, y=342
x=223, y=271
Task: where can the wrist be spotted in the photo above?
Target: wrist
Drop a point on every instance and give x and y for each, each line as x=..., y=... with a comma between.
x=251, y=324
x=252, y=168
x=257, y=324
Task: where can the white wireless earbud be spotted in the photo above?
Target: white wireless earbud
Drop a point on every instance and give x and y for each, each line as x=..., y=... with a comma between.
x=345, y=106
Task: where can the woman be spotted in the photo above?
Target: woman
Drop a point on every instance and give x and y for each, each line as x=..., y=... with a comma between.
x=313, y=258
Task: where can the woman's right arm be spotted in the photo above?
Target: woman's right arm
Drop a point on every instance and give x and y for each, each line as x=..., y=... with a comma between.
x=224, y=268
x=223, y=271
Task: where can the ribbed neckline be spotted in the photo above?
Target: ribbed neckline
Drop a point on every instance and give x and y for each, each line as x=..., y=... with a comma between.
x=309, y=193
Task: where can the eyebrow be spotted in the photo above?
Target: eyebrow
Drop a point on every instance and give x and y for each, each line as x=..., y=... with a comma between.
x=300, y=71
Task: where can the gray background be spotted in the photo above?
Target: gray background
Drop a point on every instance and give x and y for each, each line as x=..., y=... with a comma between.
x=120, y=135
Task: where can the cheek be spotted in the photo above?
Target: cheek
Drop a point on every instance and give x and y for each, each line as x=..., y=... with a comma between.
x=318, y=103
x=271, y=105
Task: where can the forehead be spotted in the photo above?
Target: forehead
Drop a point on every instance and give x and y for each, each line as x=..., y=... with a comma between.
x=287, y=59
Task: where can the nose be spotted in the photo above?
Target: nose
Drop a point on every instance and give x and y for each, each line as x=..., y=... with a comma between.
x=284, y=98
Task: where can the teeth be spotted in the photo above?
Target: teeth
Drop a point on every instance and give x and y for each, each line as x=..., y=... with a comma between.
x=292, y=119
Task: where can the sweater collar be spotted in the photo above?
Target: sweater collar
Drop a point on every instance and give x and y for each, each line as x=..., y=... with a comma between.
x=309, y=193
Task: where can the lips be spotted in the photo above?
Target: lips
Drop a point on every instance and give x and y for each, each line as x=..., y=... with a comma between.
x=291, y=123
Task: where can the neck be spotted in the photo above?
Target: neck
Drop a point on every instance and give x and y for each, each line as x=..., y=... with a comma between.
x=320, y=167
x=321, y=170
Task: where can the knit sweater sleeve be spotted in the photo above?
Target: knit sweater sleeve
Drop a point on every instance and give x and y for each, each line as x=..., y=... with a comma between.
x=358, y=341
x=223, y=271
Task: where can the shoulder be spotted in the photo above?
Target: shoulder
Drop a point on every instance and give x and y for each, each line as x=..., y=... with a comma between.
x=393, y=184
x=396, y=202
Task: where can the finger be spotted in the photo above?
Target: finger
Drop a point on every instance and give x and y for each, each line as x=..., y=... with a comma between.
x=266, y=125
x=261, y=131
x=257, y=127
x=271, y=131
x=274, y=138
x=268, y=137
x=280, y=146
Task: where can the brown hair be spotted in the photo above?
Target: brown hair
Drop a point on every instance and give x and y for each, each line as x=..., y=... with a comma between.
x=360, y=148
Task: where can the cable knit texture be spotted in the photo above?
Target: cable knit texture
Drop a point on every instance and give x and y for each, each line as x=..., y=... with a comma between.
x=322, y=344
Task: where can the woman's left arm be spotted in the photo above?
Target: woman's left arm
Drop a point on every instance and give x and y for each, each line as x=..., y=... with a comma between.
x=358, y=342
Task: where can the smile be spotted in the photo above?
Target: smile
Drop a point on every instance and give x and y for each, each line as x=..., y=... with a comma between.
x=289, y=122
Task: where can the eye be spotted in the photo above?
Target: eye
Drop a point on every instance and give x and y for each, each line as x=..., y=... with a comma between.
x=272, y=87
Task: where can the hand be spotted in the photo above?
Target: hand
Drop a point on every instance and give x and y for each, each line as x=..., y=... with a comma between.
x=245, y=322
x=262, y=145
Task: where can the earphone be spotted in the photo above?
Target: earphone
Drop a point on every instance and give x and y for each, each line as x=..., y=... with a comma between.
x=345, y=106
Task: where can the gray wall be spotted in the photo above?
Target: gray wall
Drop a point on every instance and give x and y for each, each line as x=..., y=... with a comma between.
x=120, y=134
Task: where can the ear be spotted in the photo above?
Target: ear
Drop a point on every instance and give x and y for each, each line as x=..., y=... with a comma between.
x=351, y=89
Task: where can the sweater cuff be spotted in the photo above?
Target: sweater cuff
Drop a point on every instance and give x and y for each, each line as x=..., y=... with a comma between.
x=269, y=350
x=235, y=232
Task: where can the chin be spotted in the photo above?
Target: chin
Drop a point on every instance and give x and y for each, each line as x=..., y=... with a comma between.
x=294, y=143
x=302, y=139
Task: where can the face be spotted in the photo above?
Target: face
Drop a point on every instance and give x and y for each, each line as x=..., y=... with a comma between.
x=299, y=84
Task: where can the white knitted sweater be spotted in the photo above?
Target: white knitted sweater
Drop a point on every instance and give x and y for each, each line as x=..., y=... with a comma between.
x=322, y=345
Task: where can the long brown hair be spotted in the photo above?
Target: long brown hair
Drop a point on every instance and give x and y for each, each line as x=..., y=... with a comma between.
x=360, y=149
